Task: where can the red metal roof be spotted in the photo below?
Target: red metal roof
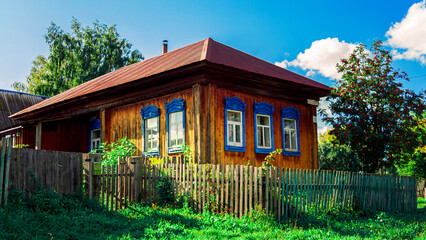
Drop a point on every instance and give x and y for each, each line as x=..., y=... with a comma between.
x=205, y=50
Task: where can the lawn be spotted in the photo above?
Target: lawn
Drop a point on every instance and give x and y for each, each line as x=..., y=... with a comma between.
x=47, y=216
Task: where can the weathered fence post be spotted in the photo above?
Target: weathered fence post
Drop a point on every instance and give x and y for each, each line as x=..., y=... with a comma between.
x=91, y=179
x=137, y=161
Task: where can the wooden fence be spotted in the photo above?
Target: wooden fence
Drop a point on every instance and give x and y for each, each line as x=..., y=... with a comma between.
x=29, y=170
x=232, y=189
x=236, y=189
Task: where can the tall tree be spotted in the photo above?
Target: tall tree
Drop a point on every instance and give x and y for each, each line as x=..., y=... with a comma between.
x=334, y=156
x=77, y=57
x=371, y=112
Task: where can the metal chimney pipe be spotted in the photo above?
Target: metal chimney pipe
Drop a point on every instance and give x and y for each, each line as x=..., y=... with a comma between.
x=165, y=46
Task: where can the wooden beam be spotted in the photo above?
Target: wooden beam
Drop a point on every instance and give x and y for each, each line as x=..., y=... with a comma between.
x=38, y=136
x=103, y=126
x=314, y=139
x=196, y=111
x=211, y=125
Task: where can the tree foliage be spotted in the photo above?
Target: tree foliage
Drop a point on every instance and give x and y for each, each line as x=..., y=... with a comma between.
x=77, y=57
x=372, y=113
x=414, y=164
x=334, y=156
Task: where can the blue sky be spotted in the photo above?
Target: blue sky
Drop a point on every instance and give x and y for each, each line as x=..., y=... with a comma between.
x=303, y=36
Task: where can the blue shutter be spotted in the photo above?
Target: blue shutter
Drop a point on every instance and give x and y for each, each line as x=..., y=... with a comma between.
x=176, y=105
x=235, y=103
x=291, y=113
x=150, y=111
x=265, y=109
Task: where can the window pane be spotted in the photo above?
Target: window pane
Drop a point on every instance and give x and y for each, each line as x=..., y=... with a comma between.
x=262, y=120
x=291, y=124
x=173, y=132
x=180, y=141
x=234, y=116
x=173, y=142
x=287, y=139
x=237, y=116
x=259, y=137
x=267, y=136
x=237, y=133
x=96, y=134
x=230, y=133
x=179, y=116
x=154, y=132
x=154, y=144
x=180, y=130
x=293, y=140
x=151, y=122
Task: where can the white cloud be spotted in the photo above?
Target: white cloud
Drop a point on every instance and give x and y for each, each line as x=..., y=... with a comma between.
x=410, y=34
x=321, y=57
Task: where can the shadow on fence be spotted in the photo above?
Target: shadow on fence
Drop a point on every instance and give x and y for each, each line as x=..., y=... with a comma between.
x=235, y=189
x=231, y=189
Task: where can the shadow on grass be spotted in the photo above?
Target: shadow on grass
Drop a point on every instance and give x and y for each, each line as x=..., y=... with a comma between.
x=46, y=215
x=367, y=223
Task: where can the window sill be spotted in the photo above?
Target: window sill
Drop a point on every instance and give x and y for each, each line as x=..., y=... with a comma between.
x=234, y=148
x=290, y=153
x=263, y=150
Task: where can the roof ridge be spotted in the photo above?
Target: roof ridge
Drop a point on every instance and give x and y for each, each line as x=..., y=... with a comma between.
x=205, y=49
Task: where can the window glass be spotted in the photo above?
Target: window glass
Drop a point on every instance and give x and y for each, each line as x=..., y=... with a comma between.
x=176, y=132
x=151, y=134
x=263, y=131
x=290, y=136
x=234, y=123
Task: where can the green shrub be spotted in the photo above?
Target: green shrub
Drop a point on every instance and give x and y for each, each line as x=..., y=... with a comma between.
x=165, y=192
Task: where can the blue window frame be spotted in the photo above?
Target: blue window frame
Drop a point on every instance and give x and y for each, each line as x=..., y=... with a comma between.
x=150, y=130
x=94, y=134
x=175, y=125
x=235, y=116
x=263, y=127
x=290, y=123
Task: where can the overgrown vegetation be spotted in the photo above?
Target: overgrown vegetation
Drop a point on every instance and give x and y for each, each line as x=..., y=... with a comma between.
x=112, y=152
x=372, y=113
x=47, y=216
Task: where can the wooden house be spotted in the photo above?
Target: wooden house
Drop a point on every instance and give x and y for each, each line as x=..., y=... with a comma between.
x=12, y=102
x=228, y=106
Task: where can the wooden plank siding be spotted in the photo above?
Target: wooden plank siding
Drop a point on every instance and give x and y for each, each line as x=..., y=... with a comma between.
x=204, y=127
x=307, y=132
x=126, y=121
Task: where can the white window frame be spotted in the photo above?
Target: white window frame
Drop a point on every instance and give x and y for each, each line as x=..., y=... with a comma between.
x=97, y=141
x=286, y=128
x=234, y=124
x=263, y=130
x=172, y=124
x=149, y=140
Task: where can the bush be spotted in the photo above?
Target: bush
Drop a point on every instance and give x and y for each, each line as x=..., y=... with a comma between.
x=165, y=192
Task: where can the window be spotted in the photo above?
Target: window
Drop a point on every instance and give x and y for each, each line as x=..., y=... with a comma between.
x=290, y=121
x=150, y=129
x=263, y=131
x=264, y=139
x=175, y=125
x=151, y=135
x=95, y=138
x=290, y=135
x=94, y=134
x=176, y=137
x=234, y=125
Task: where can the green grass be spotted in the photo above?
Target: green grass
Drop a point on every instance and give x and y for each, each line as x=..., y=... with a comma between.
x=47, y=216
x=421, y=203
